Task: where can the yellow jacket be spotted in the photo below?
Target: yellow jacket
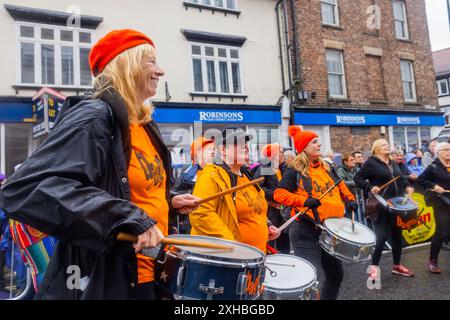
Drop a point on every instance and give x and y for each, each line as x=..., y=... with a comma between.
x=216, y=218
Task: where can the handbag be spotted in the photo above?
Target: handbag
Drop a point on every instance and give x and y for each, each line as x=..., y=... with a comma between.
x=372, y=208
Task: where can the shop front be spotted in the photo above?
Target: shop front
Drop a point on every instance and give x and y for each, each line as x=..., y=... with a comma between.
x=180, y=123
x=349, y=130
x=16, y=127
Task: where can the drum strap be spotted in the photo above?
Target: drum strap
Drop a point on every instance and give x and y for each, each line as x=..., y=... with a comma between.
x=307, y=186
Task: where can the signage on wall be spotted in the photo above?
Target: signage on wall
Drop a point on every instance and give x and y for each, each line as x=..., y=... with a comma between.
x=185, y=115
x=313, y=118
x=46, y=105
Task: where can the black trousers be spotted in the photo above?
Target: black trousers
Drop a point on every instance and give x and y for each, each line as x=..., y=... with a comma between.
x=330, y=272
x=442, y=218
x=385, y=226
x=146, y=291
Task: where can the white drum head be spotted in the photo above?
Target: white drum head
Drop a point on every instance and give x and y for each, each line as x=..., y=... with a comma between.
x=292, y=272
x=240, y=251
x=342, y=227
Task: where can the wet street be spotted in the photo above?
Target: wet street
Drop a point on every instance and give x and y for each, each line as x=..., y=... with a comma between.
x=423, y=286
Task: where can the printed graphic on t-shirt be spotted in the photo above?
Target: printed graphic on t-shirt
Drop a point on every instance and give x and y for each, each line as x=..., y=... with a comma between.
x=153, y=170
x=252, y=202
x=321, y=189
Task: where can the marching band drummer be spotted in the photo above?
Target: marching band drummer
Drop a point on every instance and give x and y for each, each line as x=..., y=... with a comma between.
x=104, y=169
x=378, y=170
x=305, y=180
x=241, y=216
x=436, y=178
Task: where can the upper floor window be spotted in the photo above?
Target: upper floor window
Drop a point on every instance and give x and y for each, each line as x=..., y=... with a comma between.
x=336, y=75
x=225, y=4
x=409, y=86
x=216, y=69
x=52, y=55
x=442, y=85
x=330, y=14
x=401, y=23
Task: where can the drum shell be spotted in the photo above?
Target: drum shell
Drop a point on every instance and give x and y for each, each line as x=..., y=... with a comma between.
x=186, y=274
x=344, y=249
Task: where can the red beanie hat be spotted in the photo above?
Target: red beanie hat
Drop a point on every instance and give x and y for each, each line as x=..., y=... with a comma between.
x=270, y=150
x=301, y=138
x=113, y=44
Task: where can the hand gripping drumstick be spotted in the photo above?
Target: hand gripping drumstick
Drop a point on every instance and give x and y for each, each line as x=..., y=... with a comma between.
x=178, y=242
x=132, y=238
x=287, y=223
x=223, y=193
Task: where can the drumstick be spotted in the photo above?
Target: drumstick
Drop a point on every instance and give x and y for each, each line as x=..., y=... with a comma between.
x=386, y=184
x=287, y=223
x=353, y=220
x=406, y=199
x=223, y=193
x=122, y=236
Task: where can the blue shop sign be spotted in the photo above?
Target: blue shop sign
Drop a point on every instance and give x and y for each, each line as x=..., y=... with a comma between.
x=342, y=119
x=16, y=111
x=181, y=115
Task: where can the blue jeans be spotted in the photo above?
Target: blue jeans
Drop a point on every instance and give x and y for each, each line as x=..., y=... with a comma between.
x=330, y=272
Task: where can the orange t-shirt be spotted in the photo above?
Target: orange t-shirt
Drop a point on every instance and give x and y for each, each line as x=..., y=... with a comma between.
x=148, y=190
x=251, y=209
x=279, y=176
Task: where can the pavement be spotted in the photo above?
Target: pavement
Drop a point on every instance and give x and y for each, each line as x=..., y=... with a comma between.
x=423, y=286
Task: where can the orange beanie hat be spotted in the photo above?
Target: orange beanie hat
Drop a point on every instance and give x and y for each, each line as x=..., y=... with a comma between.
x=301, y=138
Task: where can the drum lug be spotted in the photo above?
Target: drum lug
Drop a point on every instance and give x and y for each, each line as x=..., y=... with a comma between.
x=181, y=277
x=241, y=284
x=166, y=253
x=210, y=290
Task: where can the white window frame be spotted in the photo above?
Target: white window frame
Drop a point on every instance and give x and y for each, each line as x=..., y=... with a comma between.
x=57, y=43
x=438, y=83
x=344, y=84
x=212, y=4
x=404, y=21
x=411, y=66
x=203, y=57
x=335, y=10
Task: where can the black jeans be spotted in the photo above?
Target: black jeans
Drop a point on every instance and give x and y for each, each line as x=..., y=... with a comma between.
x=146, y=291
x=442, y=218
x=386, y=224
x=330, y=272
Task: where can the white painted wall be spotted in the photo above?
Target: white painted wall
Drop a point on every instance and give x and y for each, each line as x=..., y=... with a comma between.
x=162, y=21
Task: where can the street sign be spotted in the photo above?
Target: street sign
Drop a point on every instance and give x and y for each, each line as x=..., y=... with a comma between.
x=46, y=105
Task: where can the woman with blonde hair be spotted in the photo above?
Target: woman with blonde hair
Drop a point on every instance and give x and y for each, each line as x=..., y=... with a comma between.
x=436, y=180
x=104, y=169
x=306, y=179
x=377, y=171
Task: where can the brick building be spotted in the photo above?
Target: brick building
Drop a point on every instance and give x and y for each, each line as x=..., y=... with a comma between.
x=363, y=70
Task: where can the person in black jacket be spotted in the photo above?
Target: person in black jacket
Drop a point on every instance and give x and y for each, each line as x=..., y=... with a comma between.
x=76, y=187
x=377, y=171
x=435, y=180
x=272, y=171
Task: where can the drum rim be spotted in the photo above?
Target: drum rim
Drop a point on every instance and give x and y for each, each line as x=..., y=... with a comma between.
x=293, y=289
x=347, y=240
x=402, y=210
x=218, y=258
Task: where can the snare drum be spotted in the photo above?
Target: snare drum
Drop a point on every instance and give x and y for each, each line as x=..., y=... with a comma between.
x=289, y=278
x=339, y=240
x=406, y=211
x=184, y=272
